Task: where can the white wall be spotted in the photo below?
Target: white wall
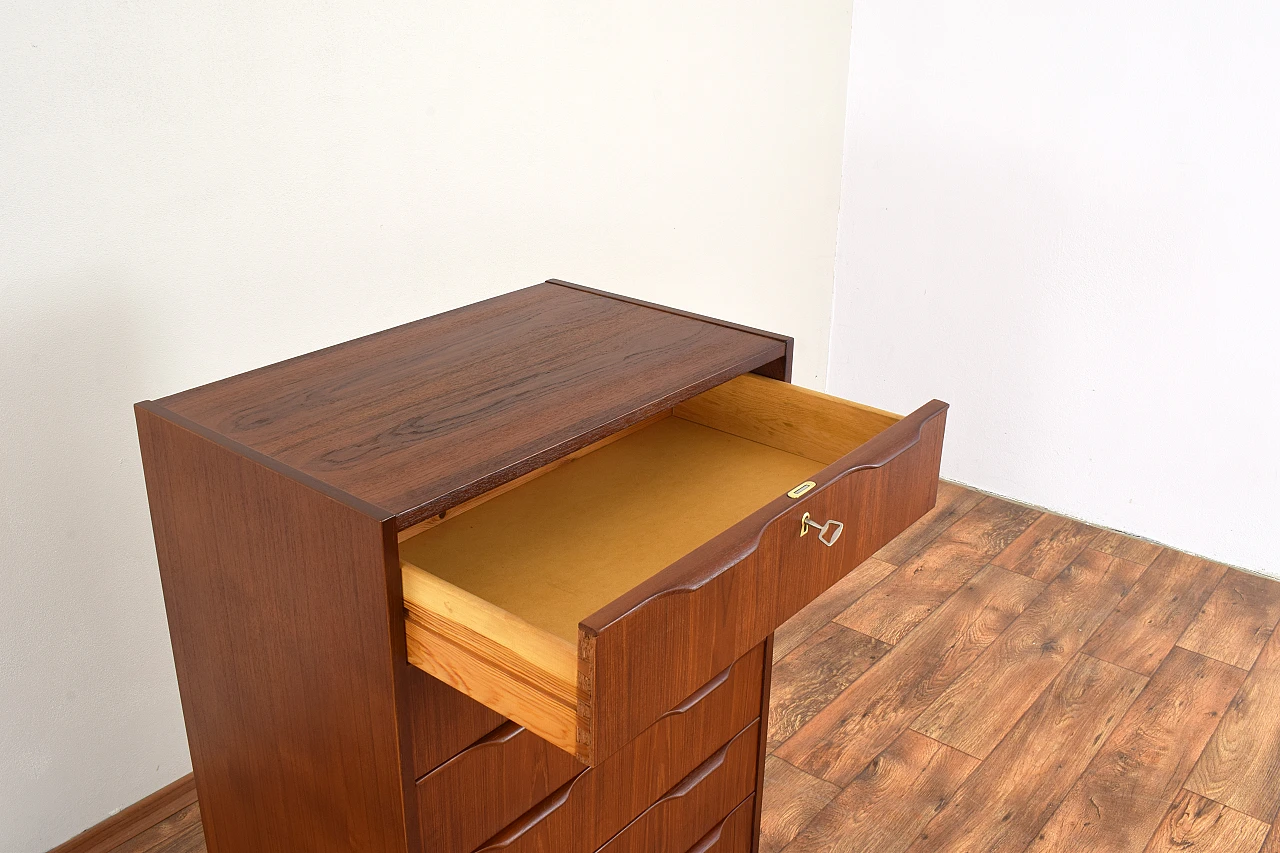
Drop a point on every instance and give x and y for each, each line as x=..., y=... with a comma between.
x=1061, y=217
x=191, y=190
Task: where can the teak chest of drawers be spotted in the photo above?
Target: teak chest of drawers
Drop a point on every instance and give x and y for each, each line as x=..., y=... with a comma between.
x=507, y=578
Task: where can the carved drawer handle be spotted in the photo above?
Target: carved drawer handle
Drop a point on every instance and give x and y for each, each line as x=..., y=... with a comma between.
x=828, y=533
x=701, y=693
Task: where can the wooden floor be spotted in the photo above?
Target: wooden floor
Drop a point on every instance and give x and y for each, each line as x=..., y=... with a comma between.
x=999, y=680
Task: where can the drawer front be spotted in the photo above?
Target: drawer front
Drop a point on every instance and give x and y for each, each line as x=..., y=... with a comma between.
x=488, y=785
x=690, y=810
x=671, y=632
x=504, y=775
x=596, y=805
x=734, y=834
x=442, y=721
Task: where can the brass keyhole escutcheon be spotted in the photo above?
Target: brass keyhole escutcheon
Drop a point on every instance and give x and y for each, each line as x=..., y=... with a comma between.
x=828, y=532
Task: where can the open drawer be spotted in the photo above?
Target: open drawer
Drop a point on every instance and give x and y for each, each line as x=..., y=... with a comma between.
x=588, y=598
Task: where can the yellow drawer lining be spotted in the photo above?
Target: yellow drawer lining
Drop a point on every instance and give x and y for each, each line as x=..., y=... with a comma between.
x=562, y=546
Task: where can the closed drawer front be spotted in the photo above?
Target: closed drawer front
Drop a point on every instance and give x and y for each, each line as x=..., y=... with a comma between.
x=585, y=599
x=442, y=721
x=499, y=778
x=488, y=785
x=595, y=806
x=734, y=834
x=687, y=812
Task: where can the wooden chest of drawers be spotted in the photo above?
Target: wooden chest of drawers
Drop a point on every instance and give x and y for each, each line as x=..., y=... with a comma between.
x=506, y=578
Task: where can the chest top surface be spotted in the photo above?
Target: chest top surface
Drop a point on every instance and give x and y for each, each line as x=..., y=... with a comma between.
x=421, y=417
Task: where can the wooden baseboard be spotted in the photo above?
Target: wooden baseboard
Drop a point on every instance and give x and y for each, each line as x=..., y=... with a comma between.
x=133, y=820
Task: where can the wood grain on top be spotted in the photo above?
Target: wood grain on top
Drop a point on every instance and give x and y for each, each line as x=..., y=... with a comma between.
x=419, y=418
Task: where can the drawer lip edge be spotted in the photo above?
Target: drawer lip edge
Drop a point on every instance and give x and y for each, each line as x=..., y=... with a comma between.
x=707, y=842
x=489, y=739
x=688, y=784
x=689, y=573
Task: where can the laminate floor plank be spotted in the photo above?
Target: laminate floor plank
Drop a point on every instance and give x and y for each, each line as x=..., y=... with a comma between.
x=871, y=714
x=805, y=681
x=953, y=502
x=919, y=586
x=1151, y=618
x=1129, y=548
x=827, y=606
x=791, y=799
x=1046, y=547
x=1203, y=826
x=885, y=806
x=1005, y=802
x=1119, y=801
x=985, y=702
x=1240, y=767
x=1237, y=620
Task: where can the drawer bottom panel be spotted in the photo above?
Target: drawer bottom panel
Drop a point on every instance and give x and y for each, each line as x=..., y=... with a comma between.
x=731, y=835
x=693, y=808
x=586, y=812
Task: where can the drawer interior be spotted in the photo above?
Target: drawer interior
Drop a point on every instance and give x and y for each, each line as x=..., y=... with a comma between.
x=564, y=545
x=506, y=578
